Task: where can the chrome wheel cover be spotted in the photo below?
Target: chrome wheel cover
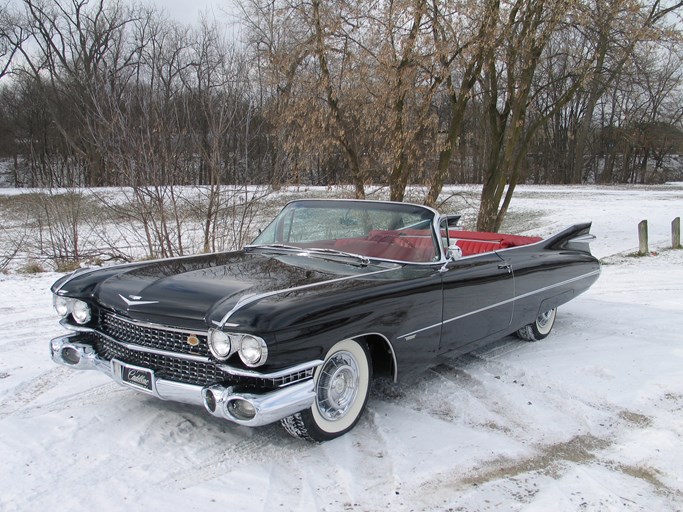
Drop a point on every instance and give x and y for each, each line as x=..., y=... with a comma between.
x=545, y=321
x=337, y=387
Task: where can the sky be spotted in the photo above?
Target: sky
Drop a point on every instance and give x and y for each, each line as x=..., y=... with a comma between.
x=189, y=10
x=182, y=11
x=179, y=10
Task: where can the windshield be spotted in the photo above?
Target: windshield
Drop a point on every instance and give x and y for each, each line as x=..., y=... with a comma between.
x=391, y=231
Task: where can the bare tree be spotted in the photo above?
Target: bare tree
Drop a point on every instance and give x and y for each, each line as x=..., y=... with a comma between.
x=217, y=105
x=12, y=242
x=78, y=55
x=349, y=80
x=507, y=87
x=613, y=29
x=13, y=33
x=460, y=48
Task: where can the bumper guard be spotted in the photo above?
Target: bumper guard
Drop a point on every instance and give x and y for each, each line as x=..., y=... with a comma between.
x=248, y=409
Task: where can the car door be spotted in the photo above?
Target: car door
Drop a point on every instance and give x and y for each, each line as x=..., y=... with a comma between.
x=478, y=298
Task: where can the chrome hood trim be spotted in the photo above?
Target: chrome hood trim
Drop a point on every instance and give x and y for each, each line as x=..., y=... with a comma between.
x=250, y=299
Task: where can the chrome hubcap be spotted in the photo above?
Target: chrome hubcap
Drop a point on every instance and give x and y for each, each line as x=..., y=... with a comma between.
x=543, y=319
x=337, y=386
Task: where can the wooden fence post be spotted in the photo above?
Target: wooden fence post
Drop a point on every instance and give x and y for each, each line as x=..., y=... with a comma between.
x=676, y=233
x=642, y=238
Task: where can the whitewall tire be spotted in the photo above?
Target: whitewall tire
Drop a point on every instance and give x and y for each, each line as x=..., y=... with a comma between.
x=342, y=385
x=540, y=328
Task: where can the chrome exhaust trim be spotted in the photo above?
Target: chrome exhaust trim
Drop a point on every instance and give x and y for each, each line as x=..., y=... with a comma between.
x=65, y=350
x=254, y=410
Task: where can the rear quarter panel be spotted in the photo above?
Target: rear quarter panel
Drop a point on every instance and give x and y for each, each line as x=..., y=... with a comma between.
x=547, y=278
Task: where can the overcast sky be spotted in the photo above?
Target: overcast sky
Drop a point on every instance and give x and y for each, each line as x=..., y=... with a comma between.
x=189, y=10
x=180, y=10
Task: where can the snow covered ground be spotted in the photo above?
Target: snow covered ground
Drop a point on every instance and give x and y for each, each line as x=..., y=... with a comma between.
x=589, y=419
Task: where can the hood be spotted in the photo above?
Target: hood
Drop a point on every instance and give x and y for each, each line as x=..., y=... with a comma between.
x=185, y=291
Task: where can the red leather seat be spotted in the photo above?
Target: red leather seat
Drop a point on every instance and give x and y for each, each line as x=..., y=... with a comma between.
x=501, y=239
x=470, y=247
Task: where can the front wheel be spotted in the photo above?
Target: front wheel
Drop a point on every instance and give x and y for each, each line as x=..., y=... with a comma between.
x=540, y=328
x=342, y=385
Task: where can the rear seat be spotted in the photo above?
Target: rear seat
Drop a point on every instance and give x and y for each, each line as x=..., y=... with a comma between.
x=477, y=242
x=417, y=245
x=517, y=240
x=470, y=247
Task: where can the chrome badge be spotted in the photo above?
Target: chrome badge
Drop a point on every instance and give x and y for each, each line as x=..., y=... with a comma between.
x=192, y=340
x=135, y=300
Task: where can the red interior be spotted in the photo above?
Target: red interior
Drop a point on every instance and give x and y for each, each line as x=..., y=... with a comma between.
x=417, y=244
x=477, y=242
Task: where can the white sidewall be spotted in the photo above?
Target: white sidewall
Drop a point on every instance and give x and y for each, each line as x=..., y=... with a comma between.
x=332, y=427
x=547, y=327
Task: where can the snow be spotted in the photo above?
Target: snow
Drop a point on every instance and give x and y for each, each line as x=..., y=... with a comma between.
x=589, y=419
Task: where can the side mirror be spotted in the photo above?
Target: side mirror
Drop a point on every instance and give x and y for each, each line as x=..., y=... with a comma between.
x=454, y=252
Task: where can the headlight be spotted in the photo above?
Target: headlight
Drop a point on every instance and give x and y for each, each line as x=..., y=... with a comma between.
x=219, y=344
x=61, y=305
x=81, y=312
x=253, y=351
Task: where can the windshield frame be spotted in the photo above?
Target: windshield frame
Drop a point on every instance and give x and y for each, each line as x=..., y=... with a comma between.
x=431, y=220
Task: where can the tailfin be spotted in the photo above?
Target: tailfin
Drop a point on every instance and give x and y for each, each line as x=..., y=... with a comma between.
x=574, y=238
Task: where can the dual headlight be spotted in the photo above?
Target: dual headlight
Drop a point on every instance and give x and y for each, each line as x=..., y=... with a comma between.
x=79, y=310
x=253, y=350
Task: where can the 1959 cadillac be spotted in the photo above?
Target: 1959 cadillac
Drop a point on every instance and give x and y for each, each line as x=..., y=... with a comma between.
x=332, y=292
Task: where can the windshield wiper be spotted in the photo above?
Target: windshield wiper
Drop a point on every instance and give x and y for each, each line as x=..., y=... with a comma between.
x=314, y=251
x=275, y=246
x=364, y=260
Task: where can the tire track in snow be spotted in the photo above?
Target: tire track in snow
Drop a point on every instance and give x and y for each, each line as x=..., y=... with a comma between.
x=28, y=391
x=374, y=445
x=31, y=332
x=519, y=476
x=551, y=460
x=91, y=396
x=483, y=392
x=257, y=448
x=474, y=402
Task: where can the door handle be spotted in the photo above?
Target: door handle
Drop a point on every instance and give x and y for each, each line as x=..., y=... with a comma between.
x=505, y=266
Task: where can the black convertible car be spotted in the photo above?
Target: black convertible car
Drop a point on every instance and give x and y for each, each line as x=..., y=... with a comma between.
x=332, y=292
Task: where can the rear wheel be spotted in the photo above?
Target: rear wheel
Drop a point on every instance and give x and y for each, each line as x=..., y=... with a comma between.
x=540, y=328
x=342, y=386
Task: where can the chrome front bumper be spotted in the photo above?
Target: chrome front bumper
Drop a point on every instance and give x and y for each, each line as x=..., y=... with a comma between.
x=250, y=409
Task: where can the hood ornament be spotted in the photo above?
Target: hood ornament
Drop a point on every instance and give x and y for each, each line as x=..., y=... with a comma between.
x=135, y=300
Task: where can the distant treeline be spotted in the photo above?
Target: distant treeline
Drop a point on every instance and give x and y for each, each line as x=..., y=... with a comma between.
x=96, y=93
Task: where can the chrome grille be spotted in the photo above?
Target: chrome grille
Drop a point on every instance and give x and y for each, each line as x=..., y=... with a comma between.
x=292, y=378
x=127, y=332
x=165, y=367
x=150, y=336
